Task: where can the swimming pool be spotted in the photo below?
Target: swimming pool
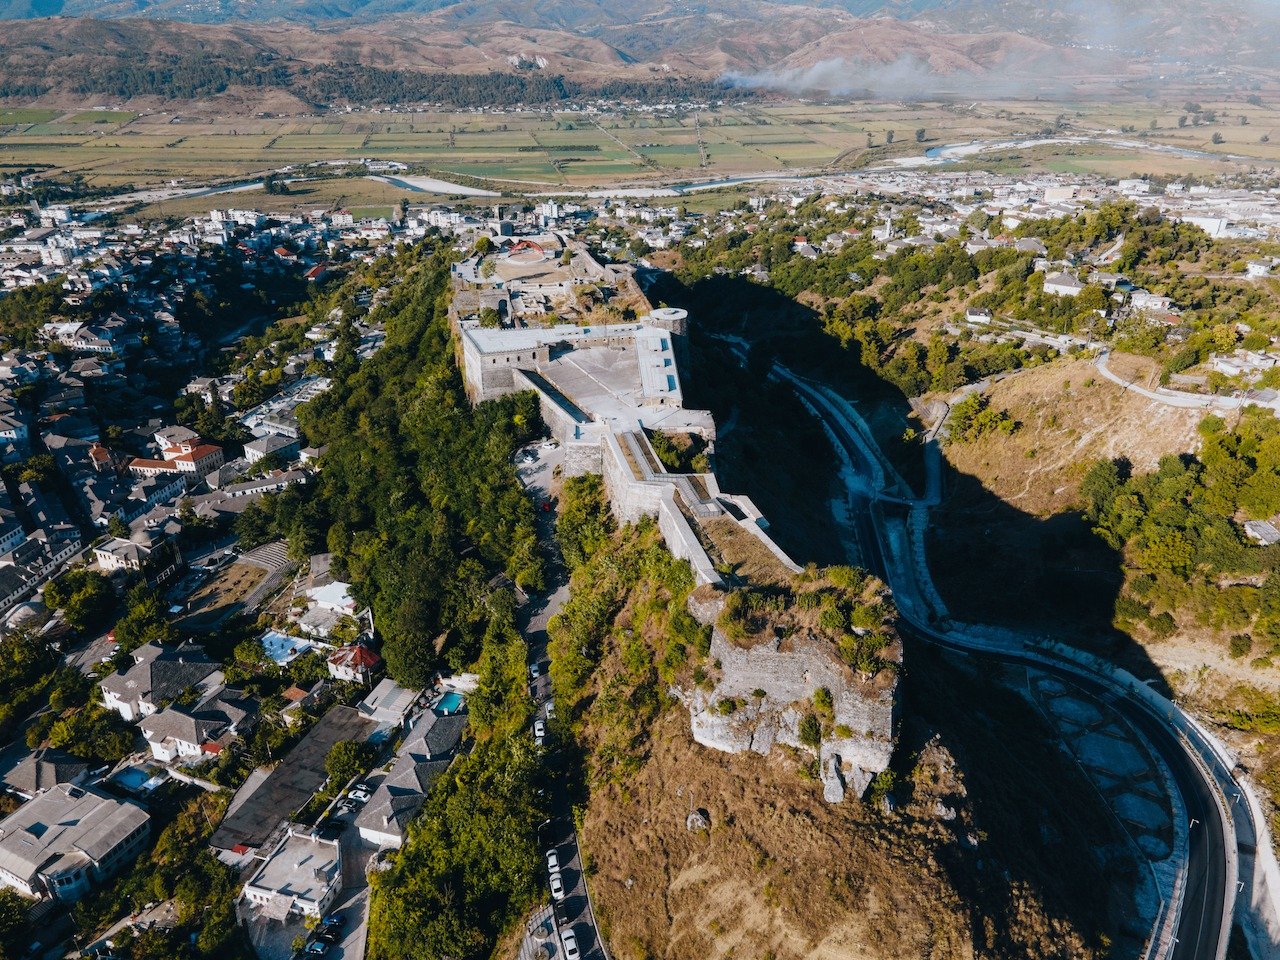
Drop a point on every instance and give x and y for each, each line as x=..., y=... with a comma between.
x=139, y=779
x=451, y=702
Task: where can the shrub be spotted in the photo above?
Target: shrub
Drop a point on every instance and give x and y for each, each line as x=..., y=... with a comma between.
x=810, y=731
x=1241, y=644
x=1162, y=625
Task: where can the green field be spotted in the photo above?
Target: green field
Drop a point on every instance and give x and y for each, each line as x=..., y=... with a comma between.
x=102, y=116
x=112, y=148
x=24, y=115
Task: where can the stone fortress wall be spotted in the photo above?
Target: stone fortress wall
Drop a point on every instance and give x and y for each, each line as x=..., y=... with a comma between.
x=598, y=402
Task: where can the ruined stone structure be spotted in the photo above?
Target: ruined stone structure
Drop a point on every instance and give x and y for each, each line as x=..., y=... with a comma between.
x=789, y=672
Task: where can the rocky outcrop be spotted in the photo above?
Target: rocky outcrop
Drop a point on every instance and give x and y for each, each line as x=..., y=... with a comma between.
x=770, y=686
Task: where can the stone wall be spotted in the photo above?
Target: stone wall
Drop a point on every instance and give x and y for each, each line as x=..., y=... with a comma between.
x=789, y=678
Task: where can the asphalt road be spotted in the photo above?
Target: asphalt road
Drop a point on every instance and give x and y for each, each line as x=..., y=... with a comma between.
x=1201, y=922
x=574, y=911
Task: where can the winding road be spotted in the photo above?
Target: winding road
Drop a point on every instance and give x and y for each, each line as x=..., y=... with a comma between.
x=1201, y=927
x=1196, y=924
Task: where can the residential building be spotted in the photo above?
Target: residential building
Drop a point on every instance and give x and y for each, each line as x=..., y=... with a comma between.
x=389, y=703
x=286, y=448
x=425, y=754
x=158, y=675
x=44, y=769
x=1062, y=284
x=354, y=664
x=68, y=840
x=301, y=877
x=201, y=731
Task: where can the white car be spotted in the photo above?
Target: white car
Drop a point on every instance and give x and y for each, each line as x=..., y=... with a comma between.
x=569, y=940
x=360, y=796
x=557, y=886
x=550, y=444
x=551, y=709
x=553, y=862
x=539, y=732
x=535, y=671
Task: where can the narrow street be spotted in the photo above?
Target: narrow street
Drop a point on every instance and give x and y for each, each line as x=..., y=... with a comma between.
x=541, y=478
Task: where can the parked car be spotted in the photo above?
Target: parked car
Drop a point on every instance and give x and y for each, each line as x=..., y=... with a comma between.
x=335, y=919
x=539, y=732
x=364, y=787
x=557, y=886
x=551, y=709
x=535, y=671
x=569, y=940
x=329, y=935
x=317, y=948
x=359, y=796
x=553, y=861
x=562, y=914
x=550, y=444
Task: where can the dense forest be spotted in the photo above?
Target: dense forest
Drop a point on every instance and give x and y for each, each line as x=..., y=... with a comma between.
x=192, y=76
x=417, y=498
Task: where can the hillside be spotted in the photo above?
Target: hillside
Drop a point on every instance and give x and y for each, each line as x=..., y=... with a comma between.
x=1009, y=47
x=719, y=35
x=1011, y=499
x=952, y=866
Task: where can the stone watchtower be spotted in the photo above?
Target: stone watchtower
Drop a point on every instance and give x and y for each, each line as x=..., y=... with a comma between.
x=676, y=322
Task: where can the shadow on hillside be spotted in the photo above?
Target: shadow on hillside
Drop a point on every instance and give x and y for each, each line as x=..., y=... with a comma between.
x=994, y=564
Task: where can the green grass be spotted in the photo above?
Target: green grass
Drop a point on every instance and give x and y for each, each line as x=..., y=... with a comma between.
x=17, y=115
x=102, y=116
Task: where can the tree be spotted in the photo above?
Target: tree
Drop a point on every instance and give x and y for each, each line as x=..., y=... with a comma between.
x=920, y=135
x=1217, y=137
x=810, y=731
x=347, y=759
x=484, y=246
x=14, y=931
x=117, y=527
x=85, y=597
x=888, y=136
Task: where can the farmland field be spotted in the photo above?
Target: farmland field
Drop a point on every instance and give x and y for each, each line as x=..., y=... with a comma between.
x=574, y=149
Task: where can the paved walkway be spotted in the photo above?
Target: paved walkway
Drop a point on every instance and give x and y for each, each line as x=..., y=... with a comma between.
x=1170, y=398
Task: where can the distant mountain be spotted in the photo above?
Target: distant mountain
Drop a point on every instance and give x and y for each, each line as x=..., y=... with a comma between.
x=1243, y=30
x=175, y=48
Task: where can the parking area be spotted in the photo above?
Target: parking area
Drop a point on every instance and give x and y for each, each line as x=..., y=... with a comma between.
x=290, y=785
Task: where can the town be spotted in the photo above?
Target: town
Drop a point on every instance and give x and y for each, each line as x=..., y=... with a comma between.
x=184, y=673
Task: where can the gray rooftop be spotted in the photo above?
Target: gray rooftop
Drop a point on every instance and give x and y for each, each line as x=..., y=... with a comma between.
x=160, y=673
x=44, y=768
x=290, y=785
x=62, y=822
x=302, y=867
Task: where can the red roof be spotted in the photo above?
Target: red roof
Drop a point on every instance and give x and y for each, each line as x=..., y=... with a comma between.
x=356, y=655
x=199, y=453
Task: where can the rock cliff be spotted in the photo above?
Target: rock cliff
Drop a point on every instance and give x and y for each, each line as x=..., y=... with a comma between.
x=761, y=693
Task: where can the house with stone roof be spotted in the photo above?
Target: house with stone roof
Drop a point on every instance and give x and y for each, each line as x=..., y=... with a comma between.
x=201, y=731
x=158, y=675
x=43, y=769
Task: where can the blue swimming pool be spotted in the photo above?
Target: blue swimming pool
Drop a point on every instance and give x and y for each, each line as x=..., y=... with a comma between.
x=451, y=702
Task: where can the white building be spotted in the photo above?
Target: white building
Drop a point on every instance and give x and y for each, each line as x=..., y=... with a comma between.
x=68, y=840
x=301, y=877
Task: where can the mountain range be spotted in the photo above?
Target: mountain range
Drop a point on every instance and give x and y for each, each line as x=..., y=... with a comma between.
x=894, y=47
